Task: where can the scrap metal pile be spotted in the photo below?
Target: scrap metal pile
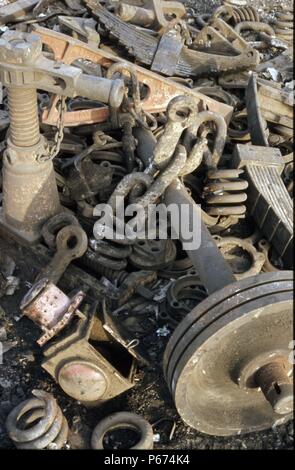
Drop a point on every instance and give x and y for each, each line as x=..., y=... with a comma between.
x=154, y=104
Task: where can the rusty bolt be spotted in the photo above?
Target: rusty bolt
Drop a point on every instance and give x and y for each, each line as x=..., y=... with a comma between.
x=19, y=48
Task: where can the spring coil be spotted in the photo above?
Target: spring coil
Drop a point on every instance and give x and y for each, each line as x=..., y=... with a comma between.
x=224, y=193
x=237, y=14
x=37, y=423
x=90, y=261
x=284, y=25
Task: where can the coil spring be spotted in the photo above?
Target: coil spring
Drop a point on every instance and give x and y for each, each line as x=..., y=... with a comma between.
x=37, y=423
x=284, y=25
x=238, y=13
x=247, y=13
x=224, y=193
x=90, y=261
x=107, y=254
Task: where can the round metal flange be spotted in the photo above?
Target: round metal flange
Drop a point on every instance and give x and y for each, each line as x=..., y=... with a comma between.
x=83, y=380
x=35, y=290
x=210, y=349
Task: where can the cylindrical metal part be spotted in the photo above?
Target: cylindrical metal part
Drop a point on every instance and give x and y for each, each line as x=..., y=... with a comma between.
x=213, y=270
x=135, y=15
x=101, y=89
x=30, y=195
x=45, y=304
x=23, y=114
x=276, y=386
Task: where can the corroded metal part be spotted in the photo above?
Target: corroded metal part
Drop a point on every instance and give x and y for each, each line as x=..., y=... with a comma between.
x=143, y=46
x=160, y=90
x=153, y=254
x=153, y=14
x=37, y=423
x=15, y=10
x=123, y=420
x=276, y=384
x=255, y=120
x=30, y=195
x=47, y=306
x=268, y=199
x=71, y=243
x=227, y=245
x=82, y=369
x=224, y=193
x=181, y=114
x=220, y=134
x=210, y=348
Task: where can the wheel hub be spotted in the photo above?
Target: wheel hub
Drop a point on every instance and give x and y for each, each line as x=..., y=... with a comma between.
x=244, y=323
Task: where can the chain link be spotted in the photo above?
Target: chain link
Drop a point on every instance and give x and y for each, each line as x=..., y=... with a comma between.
x=58, y=138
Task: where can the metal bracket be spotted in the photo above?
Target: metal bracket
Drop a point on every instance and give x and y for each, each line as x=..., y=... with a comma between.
x=160, y=90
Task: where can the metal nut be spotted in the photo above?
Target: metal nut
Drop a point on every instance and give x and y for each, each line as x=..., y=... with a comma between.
x=19, y=48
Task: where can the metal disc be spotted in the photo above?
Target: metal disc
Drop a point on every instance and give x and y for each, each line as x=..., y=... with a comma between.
x=212, y=347
x=83, y=380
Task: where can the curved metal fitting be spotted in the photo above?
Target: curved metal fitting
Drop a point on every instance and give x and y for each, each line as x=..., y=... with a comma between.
x=127, y=184
x=227, y=245
x=153, y=193
x=266, y=34
x=264, y=246
x=220, y=135
x=181, y=113
x=255, y=26
x=43, y=424
x=165, y=178
x=218, y=94
x=97, y=262
x=123, y=420
x=122, y=69
x=195, y=157
x=238, y=127
x=71, y=243
x=106, y=248
x=51, y=228
x=182, y=295
x=284, y=24
x=105, y=253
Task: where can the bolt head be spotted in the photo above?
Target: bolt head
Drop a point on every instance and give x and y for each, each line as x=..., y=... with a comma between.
x=19, y=48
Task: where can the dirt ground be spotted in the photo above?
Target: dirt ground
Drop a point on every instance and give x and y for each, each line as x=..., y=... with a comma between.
x=20, y=373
